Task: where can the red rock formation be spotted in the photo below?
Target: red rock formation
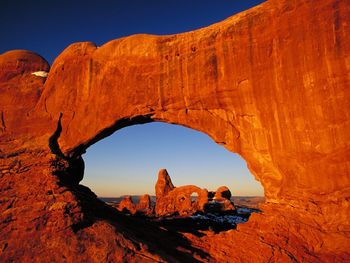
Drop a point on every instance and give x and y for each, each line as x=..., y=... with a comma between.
x=164, y=184
x=222, y=193
x=220, y=201
x=127, y=205
x=171, y=200
x=145, y=205
x=269, y=84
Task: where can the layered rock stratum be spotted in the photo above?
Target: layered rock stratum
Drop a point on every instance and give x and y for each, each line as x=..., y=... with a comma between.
x=270, y=83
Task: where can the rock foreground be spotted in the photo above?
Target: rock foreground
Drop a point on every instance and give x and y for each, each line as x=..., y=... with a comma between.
x=271, y=84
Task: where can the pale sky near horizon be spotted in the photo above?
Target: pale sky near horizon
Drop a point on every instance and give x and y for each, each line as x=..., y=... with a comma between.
x=128, y=161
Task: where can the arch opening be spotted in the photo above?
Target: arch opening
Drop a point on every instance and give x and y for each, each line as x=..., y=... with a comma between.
x=194, y=196
x=125, y=145
x=122, y=168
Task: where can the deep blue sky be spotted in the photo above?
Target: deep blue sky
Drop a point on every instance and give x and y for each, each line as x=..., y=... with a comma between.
x=127, y=162
x=48, y=26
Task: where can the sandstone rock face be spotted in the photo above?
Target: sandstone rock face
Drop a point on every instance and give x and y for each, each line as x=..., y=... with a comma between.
x=164, y=184
x=270, y=84
x=127, y=205
x=222, y=193
x=145, y=205
x=172, y=200
x=220, y=201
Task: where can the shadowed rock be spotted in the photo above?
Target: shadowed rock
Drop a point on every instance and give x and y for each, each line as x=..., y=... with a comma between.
x=222, y=193
x=222, y=199
x=145, y=205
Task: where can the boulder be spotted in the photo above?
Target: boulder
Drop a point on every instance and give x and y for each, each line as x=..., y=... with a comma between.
x=222, y=193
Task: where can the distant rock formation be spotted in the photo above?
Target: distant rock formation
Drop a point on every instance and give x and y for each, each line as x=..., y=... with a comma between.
x=145, y=205
x=222, y=193
x=127, y=205
x=177, y=200
x=164, y=184
x=171, y=200
x=220, y=201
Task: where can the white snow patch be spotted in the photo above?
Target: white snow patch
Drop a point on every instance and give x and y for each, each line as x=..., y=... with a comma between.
x=244, y=210
x=231, y=219
x=42, y=74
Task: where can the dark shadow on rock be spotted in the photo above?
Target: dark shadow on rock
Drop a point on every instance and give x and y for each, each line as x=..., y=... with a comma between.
x=166, y=243
x=190, y=225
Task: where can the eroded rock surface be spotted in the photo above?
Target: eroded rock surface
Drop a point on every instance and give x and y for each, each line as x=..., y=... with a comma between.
x=220, y=201
x=164, y=185
x=144, y=206
x=127, y=205
x=270, y=83
x=222, y=193
x=172, y=200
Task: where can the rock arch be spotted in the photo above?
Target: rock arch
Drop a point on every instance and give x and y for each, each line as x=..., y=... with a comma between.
x=171, y=199
x=269, y=84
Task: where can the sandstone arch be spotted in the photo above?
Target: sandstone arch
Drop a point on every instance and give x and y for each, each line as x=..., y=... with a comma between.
x=177, y=200
x=269, y=84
